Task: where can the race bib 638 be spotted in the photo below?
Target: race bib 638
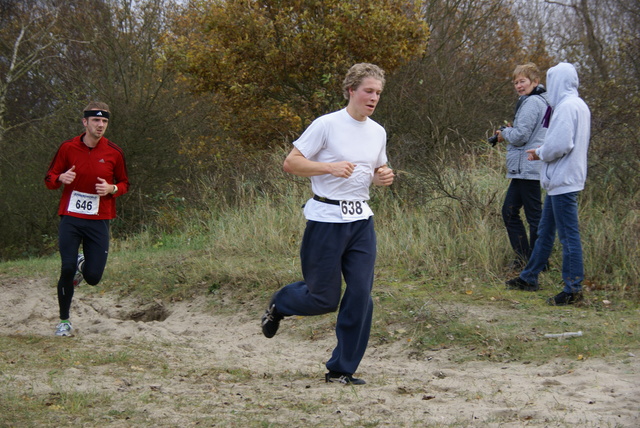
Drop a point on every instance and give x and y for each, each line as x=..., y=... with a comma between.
x=355, y=210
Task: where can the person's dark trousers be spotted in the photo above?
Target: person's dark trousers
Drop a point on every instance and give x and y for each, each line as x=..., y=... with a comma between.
x=94, y=236
x=522, y=194
x=560, y=213
x=328, y=251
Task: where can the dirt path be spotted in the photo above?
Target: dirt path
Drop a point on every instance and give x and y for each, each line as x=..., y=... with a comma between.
x=222, y=371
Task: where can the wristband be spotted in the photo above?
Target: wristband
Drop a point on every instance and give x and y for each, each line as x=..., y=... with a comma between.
x=115, y=189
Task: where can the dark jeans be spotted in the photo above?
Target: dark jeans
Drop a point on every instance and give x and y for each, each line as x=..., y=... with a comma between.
x=94, y=236
x=522, y=194
x=560, y=214
x=330, y=251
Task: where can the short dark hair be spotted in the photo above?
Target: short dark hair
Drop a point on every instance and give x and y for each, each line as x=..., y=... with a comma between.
x=96, y=105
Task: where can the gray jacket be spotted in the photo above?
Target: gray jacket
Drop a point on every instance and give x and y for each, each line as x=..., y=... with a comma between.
x=527, y=133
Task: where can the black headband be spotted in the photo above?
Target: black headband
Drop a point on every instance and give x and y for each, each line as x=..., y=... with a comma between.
x=98, y=113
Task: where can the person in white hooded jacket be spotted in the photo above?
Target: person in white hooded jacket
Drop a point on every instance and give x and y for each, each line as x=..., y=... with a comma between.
x=563, y=175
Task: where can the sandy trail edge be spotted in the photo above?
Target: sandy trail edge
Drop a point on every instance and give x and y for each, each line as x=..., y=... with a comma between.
x=284, y=384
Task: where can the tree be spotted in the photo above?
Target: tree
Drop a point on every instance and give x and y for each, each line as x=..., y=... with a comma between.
x=461, y=86
x=273, y=65
x=29, y=43
x=442, y=107
x=116, y=57
x=25, y=41
x=602, y=38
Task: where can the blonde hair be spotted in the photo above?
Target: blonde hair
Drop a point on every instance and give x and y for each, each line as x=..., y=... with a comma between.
x=357, y=73
x=528, y=70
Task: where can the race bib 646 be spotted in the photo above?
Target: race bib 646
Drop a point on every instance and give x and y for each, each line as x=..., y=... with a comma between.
x=84, y=203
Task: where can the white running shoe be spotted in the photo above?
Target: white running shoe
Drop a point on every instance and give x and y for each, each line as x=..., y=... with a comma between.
x=77, y=279
x=64, y=329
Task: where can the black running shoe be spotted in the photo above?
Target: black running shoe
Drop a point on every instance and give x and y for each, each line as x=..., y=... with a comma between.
x=271, y=320
x=343, y=378
x=564, y=299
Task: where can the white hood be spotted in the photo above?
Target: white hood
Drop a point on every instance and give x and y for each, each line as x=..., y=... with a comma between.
x=562, y=81
x=564, y=152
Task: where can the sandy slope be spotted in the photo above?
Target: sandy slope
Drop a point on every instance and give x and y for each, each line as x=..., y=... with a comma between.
x=283, y=377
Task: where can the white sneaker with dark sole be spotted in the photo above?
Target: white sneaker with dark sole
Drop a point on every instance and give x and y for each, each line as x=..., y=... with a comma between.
x=77, y=279
x=343, y=378
x=64, y=329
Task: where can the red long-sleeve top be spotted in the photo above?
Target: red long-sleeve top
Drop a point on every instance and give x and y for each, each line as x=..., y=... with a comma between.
x=105, y=160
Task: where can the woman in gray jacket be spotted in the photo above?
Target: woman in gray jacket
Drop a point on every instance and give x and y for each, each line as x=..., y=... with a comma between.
x=526, y=133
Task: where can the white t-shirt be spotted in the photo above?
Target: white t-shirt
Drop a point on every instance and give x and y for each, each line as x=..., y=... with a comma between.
x=337, y=137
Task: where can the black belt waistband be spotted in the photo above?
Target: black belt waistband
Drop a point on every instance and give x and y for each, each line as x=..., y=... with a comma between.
x=326, y=200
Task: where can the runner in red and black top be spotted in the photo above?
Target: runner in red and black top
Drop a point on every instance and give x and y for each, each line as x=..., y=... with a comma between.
x=93, y=172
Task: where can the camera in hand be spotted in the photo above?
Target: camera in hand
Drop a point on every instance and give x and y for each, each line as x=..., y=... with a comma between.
x=493, y=140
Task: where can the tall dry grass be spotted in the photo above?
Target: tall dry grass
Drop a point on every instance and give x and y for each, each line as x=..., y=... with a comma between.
x=447, y=230
x=442, y=252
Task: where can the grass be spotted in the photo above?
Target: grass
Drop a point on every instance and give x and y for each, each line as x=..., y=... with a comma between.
x=439, y=285
x=442, y=253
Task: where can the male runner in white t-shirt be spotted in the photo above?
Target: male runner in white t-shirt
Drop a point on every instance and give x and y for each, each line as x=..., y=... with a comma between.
x=342, y=153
